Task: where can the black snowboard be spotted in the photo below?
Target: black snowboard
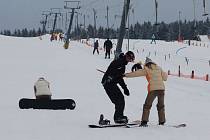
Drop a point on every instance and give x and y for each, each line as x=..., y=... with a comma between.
x=55, y=104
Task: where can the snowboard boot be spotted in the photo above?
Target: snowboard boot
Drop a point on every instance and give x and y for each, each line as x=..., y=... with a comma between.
x=121, y=120
x=102, y=121
x=143, y=124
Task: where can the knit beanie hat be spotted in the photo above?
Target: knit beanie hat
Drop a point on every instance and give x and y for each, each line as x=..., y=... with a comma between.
x=148, y=60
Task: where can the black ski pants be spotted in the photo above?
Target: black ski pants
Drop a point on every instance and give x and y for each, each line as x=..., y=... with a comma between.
x=95, y=49
x=117, y=98
x=107, y=53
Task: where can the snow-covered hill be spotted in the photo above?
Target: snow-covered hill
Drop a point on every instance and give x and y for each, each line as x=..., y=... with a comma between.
x=72, y=74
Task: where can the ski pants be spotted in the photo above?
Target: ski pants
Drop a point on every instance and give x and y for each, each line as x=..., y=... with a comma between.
x=117, y=98
x=107, y=53
x=95, y=49
x=160, y=105
x=153, y=40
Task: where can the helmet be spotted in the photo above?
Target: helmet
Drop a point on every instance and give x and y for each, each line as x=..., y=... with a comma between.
x=130, y=55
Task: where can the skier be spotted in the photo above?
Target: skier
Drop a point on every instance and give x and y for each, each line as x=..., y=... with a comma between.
x=155, y=77
x=114, y=76
x=153, y=39
x=96, y=45
x=107, y=48
x=42, y=89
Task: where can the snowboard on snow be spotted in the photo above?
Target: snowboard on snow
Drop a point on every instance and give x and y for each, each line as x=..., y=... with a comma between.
x=132, y=125
x=112, y=125
x=55, y=104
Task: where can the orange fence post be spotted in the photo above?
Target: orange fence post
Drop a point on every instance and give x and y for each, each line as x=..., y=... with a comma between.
x=192, y=76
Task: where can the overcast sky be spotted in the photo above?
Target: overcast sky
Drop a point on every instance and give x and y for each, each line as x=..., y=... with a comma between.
x=18, y=14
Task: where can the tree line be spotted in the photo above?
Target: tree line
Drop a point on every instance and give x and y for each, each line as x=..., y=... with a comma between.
x=23, y=33
x=163, y=31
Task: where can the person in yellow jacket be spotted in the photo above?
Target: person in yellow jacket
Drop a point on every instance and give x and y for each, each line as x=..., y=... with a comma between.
x=156, y=88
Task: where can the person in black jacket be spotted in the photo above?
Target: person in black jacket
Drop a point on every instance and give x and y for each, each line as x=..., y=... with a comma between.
x=95, y=46
x=107, y=48
x=114, y=76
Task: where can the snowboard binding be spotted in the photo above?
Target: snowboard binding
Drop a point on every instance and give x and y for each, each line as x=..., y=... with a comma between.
x=103, y=121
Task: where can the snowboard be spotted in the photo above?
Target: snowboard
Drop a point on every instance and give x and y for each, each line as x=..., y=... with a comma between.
x=55, y=104
x=166, y=125
x=133, y=125
x=112, y=125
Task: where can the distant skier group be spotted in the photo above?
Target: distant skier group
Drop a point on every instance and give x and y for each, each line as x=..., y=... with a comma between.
x=107, y=47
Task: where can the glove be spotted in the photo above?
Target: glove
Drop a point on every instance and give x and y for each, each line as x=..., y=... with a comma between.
x=108, y=80
x=126, y=91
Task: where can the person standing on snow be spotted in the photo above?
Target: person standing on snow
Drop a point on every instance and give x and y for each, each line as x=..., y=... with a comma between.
x=95, y=46
x=42, y=89
x=107, y=48
x=156, y=88
x=153, y=39
x=114, y=76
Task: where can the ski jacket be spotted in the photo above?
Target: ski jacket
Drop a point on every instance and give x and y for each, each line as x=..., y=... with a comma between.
x=42, y=87
x=108, y=45
x=96, y=45
x=155, y=77
x=115, y=71
x=153, y=36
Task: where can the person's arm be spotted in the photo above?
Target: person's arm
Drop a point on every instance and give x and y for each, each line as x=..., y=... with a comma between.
x=138, y=73
x=35, y=91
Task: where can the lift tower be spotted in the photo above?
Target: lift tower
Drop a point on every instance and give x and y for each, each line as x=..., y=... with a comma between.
x=74, y=6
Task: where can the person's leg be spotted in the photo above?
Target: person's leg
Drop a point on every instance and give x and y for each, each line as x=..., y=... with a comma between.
x=105, y=54
x=109, y=54
x=97, y=51
x=117, y=99
x=94, y=50
x=147, y=106
x=161, y=107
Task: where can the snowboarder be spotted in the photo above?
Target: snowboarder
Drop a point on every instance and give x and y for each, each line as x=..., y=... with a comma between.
x=153, y=39
x=42, y=89
x=95, y=46
x=107, y=48
x=156, y=88
x=114, y=76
